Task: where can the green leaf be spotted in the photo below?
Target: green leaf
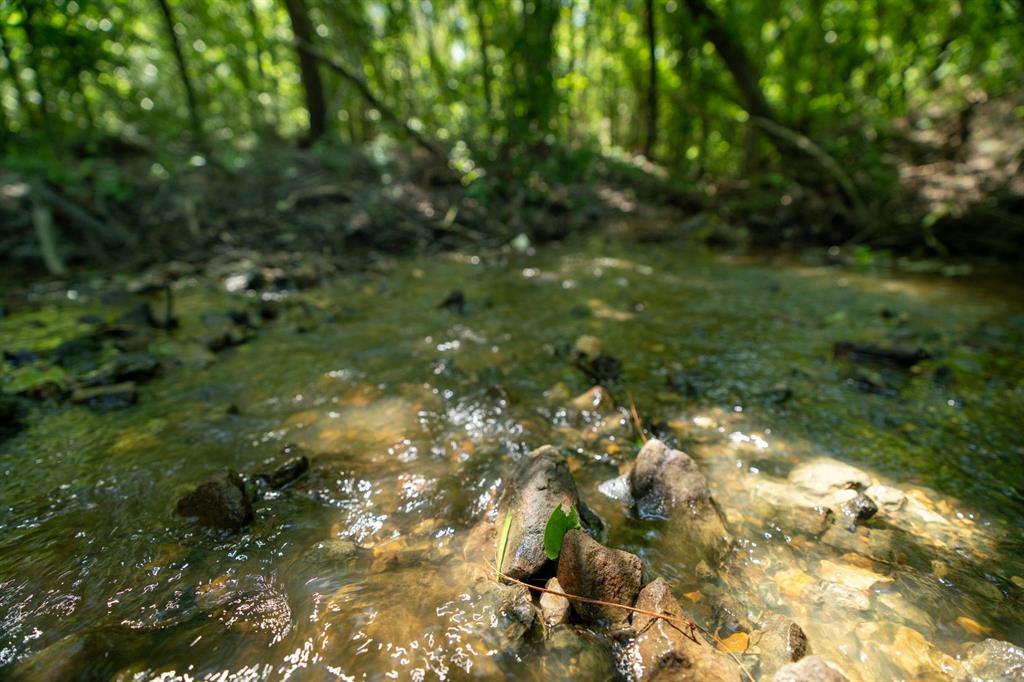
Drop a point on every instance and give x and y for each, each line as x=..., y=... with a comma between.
x=559, y=523
x=503, y=540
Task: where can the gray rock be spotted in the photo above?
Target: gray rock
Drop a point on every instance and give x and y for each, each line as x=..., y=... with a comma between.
x=220, y=502
x=809, y=669
x=778, y=641
x=668, y=653
x=824, y=475
x=542, y=482
x=553, y=608
x=587, y=568
x=666, y=481
x=332, y=551
x=994, y=660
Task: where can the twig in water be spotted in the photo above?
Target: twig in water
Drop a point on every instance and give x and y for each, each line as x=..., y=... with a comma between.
x=636, y=418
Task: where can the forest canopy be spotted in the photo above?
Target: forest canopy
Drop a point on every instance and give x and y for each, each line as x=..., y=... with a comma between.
x=843, y=96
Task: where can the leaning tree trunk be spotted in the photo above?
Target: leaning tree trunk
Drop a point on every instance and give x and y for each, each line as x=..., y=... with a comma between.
x=652, y=81
x=195, y=122
x=309, y=69
x=789, y=143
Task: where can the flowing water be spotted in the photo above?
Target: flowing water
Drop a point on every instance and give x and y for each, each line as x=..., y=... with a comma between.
x=416, y=415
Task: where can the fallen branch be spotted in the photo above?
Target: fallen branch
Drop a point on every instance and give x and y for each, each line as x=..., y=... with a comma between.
x=823, y=158
x=83, y=218
x=672, y=620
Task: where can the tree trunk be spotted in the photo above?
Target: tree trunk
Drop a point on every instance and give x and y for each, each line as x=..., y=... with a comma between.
x=652, y=81
x=34, y=64
x=789, y=143
x=309, y=70
x=485, y=62
x=743, y=71
x=195, y=123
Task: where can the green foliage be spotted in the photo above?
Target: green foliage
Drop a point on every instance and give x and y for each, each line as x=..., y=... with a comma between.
x=545, y=91
x=558, y=525
x=506, y=526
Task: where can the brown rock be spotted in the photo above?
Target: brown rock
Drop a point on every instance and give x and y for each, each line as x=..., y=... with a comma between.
x=665, y=652
x=220, y=502
x=554, y=608
x=666, y=481
x=542, y=482
x=779, y=641
x=587, y=568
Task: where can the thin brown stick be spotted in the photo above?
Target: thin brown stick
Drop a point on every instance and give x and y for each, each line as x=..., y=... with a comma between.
x=671, y=620
x=636, y=418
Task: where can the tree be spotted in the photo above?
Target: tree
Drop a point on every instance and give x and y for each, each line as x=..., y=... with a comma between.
x=195, y=122
x=309, y=70
x=652, y=80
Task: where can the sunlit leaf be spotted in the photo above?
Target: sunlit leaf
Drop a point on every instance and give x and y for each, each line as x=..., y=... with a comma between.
x=559, y=523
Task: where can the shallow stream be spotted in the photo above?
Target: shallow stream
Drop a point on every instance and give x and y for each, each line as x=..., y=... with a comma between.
x=415, y=416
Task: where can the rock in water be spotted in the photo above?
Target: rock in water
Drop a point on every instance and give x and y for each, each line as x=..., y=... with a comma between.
x=993, y=659
x=666, y=481
x=779, y=641
x=542, y=483
x=810, y=669
x=667, y=653
x=220, y=502
x=823, y=476
x=554, y=608
x=287, y=472
x=586, y=568
x=666, y=484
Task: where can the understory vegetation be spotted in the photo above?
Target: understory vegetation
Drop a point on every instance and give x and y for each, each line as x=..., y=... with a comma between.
x=181, y=124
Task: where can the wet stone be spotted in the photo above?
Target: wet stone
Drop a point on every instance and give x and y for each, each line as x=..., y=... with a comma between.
x=553, y=608
x=219, y=502
x=993, y=659
x=542, y=482
x=809, y=669
x=586, y=568
x=858, y=507
x=665, y=481
x=666, y=651
x=779, y=641
x=287, y=472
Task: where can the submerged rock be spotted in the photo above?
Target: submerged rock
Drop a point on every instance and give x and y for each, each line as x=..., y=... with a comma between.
x=666, y=651
x=993, y=659
x=587, y=568
x=454, y=302
x=823, y=476
x=779, y=641
x=219, y=502
x=809, y=669
x=92, y=654
x=542, y=482
x=287, y=472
